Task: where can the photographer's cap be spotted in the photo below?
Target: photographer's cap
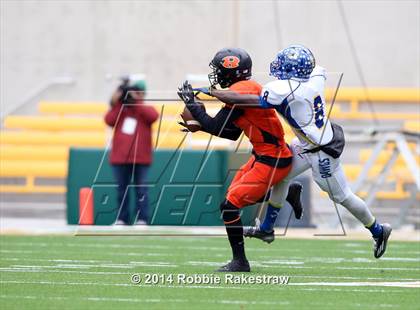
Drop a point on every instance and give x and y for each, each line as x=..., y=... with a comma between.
x=139, y=85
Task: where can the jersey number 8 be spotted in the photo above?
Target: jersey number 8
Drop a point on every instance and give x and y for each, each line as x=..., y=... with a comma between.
x=319, y=112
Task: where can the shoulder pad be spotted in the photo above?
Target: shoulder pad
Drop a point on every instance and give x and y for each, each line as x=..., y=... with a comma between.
x=276, y=91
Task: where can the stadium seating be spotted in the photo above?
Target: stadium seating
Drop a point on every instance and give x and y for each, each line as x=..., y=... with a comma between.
x=383, y=157
x=45, y=153
x=55, y=123
x=66, y=108
x=31, y=169
x=66, y=138
x=356, y=97
x=412, y=126
x=398, y=176
x=375, y=94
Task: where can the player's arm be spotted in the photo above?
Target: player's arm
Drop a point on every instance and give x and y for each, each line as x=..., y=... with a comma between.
x=234, y=98
x=231, y=97
x=220, y=125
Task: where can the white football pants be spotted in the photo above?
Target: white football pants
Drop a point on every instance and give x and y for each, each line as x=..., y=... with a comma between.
x=329, y=175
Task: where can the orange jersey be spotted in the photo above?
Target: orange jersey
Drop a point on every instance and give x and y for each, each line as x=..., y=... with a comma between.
x=261, y=126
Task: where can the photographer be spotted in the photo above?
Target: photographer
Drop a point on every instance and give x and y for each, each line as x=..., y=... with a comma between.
x=131, y=153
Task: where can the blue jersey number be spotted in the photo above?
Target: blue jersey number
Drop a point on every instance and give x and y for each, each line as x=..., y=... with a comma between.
x=319, y=112
x=264, y=100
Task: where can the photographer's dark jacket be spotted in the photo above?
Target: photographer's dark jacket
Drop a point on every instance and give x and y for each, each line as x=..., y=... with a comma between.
x=132, y=140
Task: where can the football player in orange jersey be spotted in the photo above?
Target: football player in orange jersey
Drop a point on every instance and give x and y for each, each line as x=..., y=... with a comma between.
x=271, y=157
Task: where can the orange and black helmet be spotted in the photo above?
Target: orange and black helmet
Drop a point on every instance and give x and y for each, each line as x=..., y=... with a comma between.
x=229, y=66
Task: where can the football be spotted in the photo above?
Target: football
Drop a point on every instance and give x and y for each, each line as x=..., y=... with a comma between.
x=189, y=120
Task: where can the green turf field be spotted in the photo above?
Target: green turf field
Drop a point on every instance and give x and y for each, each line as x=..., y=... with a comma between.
x=94, y=273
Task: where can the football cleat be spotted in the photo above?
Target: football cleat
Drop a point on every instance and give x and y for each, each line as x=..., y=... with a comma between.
x=235, y=266
x=293, y=197
x=379, y=245
x=256, y=232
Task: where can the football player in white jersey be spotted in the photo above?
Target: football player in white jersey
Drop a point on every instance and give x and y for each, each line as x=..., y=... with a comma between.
x=298, y=96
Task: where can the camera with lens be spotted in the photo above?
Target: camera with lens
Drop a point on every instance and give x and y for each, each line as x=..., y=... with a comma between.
x=132, y=89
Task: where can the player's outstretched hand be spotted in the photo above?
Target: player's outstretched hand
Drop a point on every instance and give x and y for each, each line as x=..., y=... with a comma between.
x=186, y=93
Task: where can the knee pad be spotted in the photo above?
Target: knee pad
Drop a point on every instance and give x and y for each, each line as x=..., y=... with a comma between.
x=230, y=213
x=336, y=198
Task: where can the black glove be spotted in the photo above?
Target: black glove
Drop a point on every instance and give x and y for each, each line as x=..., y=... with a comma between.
x=186, y=93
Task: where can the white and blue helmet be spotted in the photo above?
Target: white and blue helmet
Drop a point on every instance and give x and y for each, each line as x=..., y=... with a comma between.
x=293, y=62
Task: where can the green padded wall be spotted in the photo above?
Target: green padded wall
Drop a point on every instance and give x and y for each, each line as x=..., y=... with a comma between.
x=185, y=187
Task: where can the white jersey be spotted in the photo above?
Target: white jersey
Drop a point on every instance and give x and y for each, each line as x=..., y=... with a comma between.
x=302, y=105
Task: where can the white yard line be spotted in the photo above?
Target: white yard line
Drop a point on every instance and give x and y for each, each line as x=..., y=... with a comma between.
x=148, y=300
x=108, y=245
x=286, y=260
x=112, y=266
x=41, y=270
x=262, y=264
x=56, y=260
x=117, y=253
x=267, y=264
x=131, y=285
x=401, y=259
x=29, y=226
x=374, y=268
x=352, y=278
x=346, y=290
x=415, y=284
